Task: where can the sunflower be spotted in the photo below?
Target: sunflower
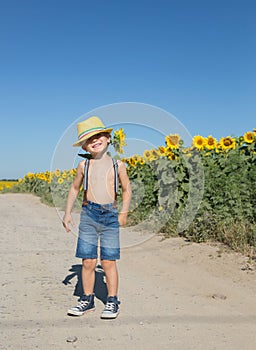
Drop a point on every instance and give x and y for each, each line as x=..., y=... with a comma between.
x=227, y=143
x=41, y=176
x=162, y=151
x=172, y=141
x=130, y=161
x=187, y=151
x=240, y=140
x=60, y=181
x=210, y=142
x=64, y=175
x=119, y=140
x=146, y=155
x=154, y=154
x=57, y=173
x=133, y=162
x=199, y=142
x=171, y=155
x=72, y=172
x=138, y=159
x=249, y=137
x=30, y=175
x=142, y=160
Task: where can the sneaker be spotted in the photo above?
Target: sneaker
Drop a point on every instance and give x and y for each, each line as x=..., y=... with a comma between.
x=86, y=304
x=111, y=308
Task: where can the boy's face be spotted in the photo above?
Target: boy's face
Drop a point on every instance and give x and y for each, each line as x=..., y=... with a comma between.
x=97, y=143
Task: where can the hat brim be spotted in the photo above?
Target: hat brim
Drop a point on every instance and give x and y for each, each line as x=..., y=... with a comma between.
x=87, y=136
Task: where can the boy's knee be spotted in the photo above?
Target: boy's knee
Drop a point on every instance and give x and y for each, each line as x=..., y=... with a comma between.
x=89, y=264
x=108, y=264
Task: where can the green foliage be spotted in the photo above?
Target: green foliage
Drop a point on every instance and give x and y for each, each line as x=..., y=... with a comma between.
x=144, y=199
x=227, y=209
x=205, y=194
x=216, y=189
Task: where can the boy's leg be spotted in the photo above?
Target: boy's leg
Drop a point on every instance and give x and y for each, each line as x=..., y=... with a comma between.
x=110, y=269
x=109, y=253
x=86, y=302
x=88, y=275
x=111, y=309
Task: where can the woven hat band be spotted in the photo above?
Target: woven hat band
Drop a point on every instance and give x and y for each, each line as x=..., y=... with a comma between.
x=88, y=132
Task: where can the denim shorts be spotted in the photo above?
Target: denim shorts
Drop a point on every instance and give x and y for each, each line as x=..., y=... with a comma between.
x=98, y=223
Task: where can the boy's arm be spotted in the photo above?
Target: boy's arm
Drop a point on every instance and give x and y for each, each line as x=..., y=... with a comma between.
x=72, y=195
x=126, y=193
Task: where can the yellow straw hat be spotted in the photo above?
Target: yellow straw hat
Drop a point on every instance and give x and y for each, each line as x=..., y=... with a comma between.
x=89, y=128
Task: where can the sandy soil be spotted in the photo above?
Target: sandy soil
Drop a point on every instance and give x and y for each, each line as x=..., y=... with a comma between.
x=174, y=294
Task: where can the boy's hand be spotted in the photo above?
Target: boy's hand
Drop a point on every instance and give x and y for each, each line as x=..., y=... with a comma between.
x=122, y=218
x=66, y=220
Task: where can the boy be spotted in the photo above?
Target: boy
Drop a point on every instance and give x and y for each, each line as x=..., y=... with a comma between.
x=99, y=216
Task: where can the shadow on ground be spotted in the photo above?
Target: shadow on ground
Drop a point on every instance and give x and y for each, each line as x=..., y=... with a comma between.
x=100, y=287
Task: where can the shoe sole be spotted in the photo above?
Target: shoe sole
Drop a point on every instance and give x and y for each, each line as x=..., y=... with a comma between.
x=109, y=317
x=77, y=313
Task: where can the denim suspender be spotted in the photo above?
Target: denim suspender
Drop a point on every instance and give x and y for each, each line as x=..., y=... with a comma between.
x=86, y=168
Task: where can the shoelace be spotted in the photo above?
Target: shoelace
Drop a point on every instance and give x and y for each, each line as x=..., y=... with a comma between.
x=82, y=304
x=110, y=306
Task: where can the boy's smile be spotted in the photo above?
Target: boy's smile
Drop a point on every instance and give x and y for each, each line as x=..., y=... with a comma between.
x=97, y=143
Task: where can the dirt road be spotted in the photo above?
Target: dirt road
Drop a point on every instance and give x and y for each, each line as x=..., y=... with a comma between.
x=174, y=294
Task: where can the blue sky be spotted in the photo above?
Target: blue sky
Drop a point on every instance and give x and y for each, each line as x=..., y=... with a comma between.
x=61, y=59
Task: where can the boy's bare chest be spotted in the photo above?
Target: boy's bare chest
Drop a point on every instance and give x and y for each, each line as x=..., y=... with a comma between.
x=100, y=174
